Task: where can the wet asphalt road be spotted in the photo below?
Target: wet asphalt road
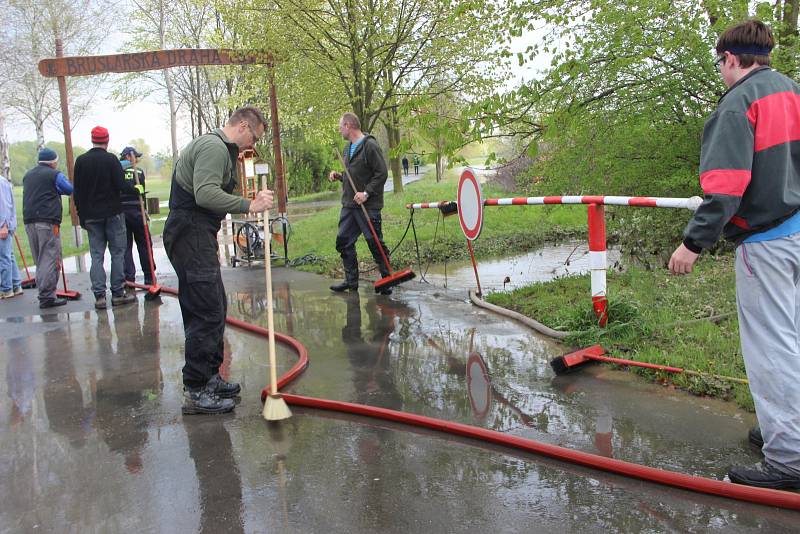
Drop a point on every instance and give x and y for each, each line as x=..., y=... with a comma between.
x=92, y=439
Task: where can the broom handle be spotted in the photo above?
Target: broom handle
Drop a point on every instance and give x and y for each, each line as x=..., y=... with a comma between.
x=273, y=372
x=146, y=232
x=21, y=255
x=366, y=216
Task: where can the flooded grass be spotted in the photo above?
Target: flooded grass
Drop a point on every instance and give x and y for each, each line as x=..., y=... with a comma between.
x=653, y=317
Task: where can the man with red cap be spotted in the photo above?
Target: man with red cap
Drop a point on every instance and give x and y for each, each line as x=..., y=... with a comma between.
x=99, y=180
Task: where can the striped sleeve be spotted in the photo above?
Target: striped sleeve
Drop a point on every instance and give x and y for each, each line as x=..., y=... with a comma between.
x=726, y=162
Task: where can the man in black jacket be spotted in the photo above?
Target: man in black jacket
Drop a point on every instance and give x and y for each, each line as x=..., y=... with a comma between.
x=364, y=160
x=99, y=180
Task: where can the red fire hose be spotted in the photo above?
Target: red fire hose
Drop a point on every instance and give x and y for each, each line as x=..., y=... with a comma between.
x=769, y=497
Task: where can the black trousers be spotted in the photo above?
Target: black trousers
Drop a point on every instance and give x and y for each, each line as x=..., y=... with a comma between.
x=352, y=225
x=134, y=229
x=190, y=239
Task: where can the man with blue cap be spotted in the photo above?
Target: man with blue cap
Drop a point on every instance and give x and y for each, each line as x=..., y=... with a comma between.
x=134, y=223
x=42, y=188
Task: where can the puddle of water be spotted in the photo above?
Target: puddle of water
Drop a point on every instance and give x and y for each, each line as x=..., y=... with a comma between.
x=506, y=274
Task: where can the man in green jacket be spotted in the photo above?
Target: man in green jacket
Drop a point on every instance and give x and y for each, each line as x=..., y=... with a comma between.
x=202, y=184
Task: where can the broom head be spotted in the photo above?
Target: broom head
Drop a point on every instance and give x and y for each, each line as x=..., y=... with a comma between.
x=569, y=362
x=28, y=283
x=69, y=295
x=275, y=408
x=396, y=278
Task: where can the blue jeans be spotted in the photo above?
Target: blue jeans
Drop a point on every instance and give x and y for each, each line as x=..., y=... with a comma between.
x=9, y=273
x=109, y=232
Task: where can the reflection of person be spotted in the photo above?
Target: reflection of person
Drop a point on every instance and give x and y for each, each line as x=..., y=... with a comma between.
x=122, y=419
x=134, y=223
x=218, y=476
x=750, y=174
x=10, y=280
x=202, y=183
x=364, y=160
x=405, y=165
x=99, y=181
x=20, y=376
x=42, y=188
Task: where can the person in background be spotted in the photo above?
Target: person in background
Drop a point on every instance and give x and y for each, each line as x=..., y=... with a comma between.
x=10, y=280
x=99, y=181
x=42, y=188
x=134, y=223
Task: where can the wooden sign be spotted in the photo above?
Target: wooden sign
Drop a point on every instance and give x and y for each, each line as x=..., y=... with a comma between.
x=142, y=61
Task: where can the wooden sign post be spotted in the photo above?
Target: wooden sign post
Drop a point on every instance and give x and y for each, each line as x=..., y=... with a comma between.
x=60, y=67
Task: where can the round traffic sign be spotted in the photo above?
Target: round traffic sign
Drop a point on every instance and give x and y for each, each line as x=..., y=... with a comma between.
x=470, y=205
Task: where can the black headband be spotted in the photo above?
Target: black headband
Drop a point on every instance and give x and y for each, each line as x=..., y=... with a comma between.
x=749, y=49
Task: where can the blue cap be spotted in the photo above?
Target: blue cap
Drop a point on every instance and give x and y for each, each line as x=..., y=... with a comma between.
x=47, y=155
x=129, y=150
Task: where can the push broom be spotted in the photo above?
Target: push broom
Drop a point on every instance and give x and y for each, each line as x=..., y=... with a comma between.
x=275, y=408
x=395, y=277
x=67, y=293
x=154, y=290
x=29, y=282
x=572, y=361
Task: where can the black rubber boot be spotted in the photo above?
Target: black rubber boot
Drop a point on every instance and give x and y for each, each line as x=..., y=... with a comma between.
x=223, y=389
x=203, y=401
x=350, y=281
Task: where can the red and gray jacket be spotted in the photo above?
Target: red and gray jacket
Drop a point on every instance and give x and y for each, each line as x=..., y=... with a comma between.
x=749, y=161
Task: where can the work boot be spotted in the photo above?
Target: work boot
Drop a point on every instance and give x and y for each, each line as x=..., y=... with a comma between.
x=755, y=437
x=383, y=290
x=10, y=293
x=100, y=302
x=763, y=475
x=344, y=286
x=18, y=291
x=223, y=389
x=52, y=303
x=122, y=298
x=203, y=401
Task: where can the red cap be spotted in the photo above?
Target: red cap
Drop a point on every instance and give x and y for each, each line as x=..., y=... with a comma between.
x=99, y=135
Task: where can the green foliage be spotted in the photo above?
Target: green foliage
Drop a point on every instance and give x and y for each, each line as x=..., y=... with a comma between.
x=24, y=155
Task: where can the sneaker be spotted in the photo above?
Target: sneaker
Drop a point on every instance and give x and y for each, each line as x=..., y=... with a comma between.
x=52, y=303
x=100, y=302
x=203, y=401
x=345, y=286
x=223, y=389
x=763, y=475
x=122, y=298
x=18, y=291
x=6, y=294
x=755, y=437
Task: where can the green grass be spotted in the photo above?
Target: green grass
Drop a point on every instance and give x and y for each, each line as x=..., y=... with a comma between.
x=653, y=317
x=505, y=229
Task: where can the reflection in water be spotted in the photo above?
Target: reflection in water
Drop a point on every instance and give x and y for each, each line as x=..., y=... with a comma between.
x=129, y=380
x=70, y=410
x=20, y=378
x=218, y=475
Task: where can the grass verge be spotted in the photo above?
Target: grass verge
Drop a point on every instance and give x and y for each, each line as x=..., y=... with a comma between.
x=653, y=317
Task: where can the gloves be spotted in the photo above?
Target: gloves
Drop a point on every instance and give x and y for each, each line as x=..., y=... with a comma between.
x=140, y=189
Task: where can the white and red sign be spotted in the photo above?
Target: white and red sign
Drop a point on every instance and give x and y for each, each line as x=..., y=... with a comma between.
x=470, y=205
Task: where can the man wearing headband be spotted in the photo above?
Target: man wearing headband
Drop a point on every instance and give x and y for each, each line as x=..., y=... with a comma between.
x=750, y=175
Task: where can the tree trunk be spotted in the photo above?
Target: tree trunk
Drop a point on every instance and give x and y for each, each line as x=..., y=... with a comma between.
x=173, y=111
x=439, y=165
x=393, y=134
x=5, y=162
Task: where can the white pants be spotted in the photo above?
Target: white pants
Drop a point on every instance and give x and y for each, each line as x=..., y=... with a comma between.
x=768, y=298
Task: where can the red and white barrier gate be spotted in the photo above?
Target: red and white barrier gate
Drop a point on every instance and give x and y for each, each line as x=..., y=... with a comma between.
x=598, y=263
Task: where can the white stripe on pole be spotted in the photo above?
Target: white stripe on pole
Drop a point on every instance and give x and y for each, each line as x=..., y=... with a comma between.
x=598, y=283
x=597, y=260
